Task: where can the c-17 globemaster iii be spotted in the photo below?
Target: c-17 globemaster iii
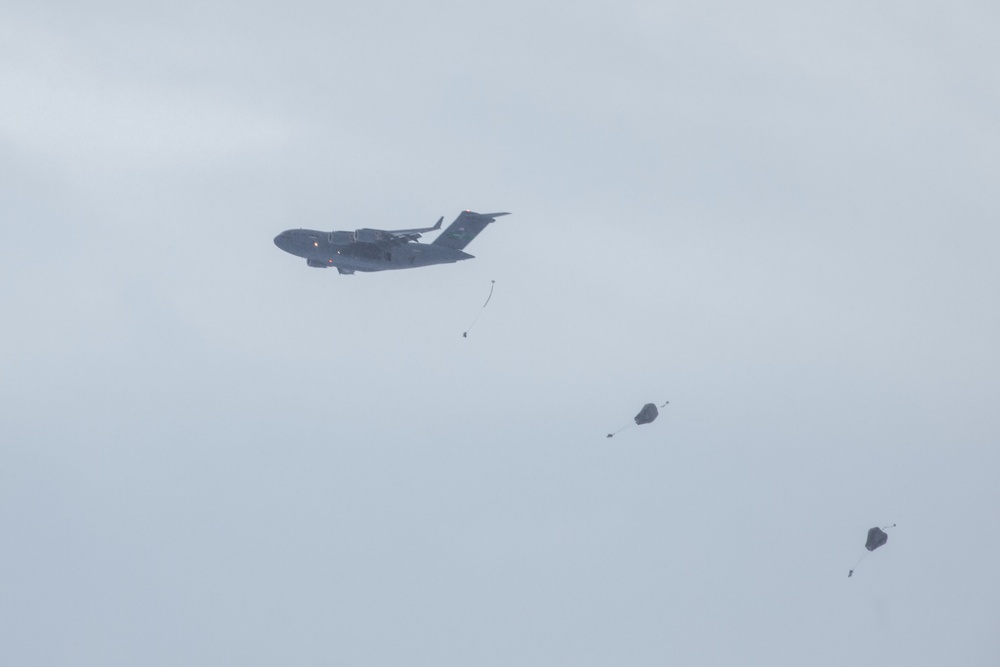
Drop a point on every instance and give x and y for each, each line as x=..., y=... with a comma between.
x=382, y=250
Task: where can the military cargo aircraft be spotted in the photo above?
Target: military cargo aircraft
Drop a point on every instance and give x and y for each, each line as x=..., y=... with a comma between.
x=382, y=250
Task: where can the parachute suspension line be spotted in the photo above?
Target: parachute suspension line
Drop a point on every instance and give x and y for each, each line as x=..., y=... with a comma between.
x=611, y=435
x=851, y=571
x=465, y=334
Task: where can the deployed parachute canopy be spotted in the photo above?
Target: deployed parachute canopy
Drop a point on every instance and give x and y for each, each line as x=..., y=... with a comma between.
x=876, y=538
x=646, y=415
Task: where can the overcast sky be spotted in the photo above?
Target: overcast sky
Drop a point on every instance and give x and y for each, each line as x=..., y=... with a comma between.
x=781, y=217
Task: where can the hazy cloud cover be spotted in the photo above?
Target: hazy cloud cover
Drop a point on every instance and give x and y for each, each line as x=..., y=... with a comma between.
x=781, y=218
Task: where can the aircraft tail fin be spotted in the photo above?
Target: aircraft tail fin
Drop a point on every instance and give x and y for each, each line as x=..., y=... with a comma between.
x=465, y=228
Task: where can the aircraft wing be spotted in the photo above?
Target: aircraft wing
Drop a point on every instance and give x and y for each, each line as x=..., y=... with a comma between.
x=387, y=238
x=405, y=235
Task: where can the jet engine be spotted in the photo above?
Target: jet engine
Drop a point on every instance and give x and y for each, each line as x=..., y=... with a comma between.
x=316, y=264
x=369, y=235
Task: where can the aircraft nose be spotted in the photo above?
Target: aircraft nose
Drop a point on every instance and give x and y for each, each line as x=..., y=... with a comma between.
x=281, y=240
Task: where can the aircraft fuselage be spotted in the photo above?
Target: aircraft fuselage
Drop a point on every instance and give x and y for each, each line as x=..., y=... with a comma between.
x=337, y=250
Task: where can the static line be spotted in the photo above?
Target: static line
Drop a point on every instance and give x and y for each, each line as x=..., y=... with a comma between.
x=465, y=334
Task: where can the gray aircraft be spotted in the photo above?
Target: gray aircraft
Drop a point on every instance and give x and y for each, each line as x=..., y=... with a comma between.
x=382, y=250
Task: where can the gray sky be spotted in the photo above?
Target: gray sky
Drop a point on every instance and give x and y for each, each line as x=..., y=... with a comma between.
x=782, y=218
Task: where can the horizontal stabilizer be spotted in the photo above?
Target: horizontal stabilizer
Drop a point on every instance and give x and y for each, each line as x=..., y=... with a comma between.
x=465, y=228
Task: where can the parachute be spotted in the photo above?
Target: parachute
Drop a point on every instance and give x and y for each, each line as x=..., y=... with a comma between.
x=645, y=416
x=877, y=537
x=465, y=334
